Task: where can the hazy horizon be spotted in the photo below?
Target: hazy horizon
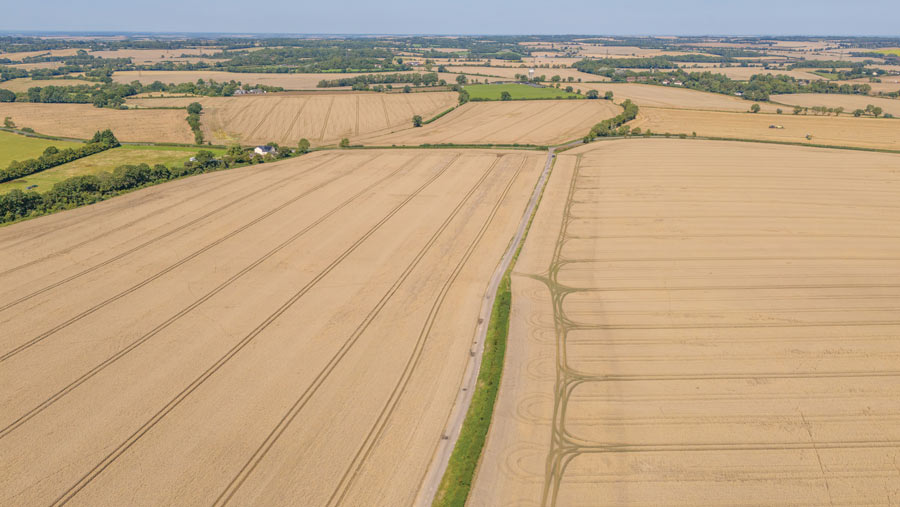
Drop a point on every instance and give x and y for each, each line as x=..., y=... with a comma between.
x=467, y=17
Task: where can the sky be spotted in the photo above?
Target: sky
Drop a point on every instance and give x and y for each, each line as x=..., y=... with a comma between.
x=622, y=17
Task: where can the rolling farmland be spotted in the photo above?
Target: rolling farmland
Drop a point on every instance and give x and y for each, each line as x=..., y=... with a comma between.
x=210, y=340
x=538, y=122
x=702, y=322
x=322, y=118
x=80, y=121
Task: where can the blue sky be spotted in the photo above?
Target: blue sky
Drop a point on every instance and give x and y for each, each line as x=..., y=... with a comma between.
x=623, y=17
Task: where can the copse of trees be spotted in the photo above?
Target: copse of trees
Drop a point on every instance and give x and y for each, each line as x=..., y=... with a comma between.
x=7, y=96
x=193, y=119
x=615, y=125
x=53, y=156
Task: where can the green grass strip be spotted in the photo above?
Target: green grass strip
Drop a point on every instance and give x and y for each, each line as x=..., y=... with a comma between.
x=457, y=480
x=460, y=473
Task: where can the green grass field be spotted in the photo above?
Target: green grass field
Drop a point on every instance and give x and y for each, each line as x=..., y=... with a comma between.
x=105, y=161
x=890, y=51
x=18, y=147
x=517, y=91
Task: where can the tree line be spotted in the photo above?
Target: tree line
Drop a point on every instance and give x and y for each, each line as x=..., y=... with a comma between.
x=53, y=156
x=616, y=124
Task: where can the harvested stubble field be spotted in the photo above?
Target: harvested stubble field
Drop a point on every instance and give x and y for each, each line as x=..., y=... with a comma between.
x=880, y=133
x=673, y=96
x=539, y=122
x=294, y=330
x=286, y=81
x=80, y=121
x=322, y=118
x=702, y=322
x=848, y=102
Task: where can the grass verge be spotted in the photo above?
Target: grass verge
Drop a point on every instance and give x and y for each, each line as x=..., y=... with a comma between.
x=460, y=473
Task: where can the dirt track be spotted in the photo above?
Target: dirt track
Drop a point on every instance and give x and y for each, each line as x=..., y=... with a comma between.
x=699, y=322
x=286, y=333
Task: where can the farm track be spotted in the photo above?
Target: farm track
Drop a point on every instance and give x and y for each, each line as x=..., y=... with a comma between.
x=187, y=391
x=184, y=311
x=146, y=243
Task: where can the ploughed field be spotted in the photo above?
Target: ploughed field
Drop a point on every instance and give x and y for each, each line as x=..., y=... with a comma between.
x=294, y=330
x=540, y=122
x=322, y=118
x=703, y=322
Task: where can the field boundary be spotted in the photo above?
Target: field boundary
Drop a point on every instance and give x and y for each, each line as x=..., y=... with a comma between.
x=450, y=475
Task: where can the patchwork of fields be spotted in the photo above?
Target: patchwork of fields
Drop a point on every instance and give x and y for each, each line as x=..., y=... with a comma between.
x=539, y=122
x=322, y=118
x=215, y=338
x=701, y=322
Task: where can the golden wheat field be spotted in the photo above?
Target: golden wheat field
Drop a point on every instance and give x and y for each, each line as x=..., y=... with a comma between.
x=878, y=133
x=82, y=120
x=703, y=323
x=216, y=338
x=540, y=122
x=322, y=118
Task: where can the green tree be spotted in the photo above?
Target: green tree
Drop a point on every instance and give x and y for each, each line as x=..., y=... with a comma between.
x=345, y=143
x=303, y=145
x=417, y=121
x=462, y=79
x=8, y=122
x=754, y=108
x=779, y=111
x=876, y=111
x=463, y=97
x=194, y=108
x=797, y=109
x=593, y=94
x=7, y=96
x=504, y=95
x=858, y=113
x=407, y=89
x=608, y=95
